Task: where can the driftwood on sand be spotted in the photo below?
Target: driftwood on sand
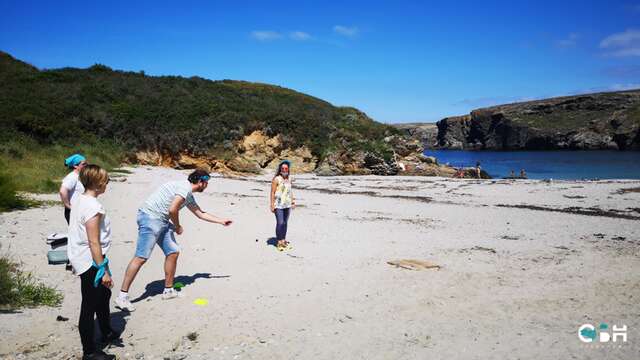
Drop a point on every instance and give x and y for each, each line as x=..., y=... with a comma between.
x=410, y=264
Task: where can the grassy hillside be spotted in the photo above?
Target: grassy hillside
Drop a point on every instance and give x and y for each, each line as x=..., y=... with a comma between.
x=572, y=113
x=167, y=113
x=46, y=115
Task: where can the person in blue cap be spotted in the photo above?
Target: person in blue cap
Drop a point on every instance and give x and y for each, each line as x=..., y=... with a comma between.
x=71, y=186
x=158, y=220
x=281, y=202
x=89, y=242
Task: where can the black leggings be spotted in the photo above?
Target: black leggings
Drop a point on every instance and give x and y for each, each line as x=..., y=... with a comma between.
x=95, y=301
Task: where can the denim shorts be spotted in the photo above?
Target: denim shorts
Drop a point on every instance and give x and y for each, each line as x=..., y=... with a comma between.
x=152, y=230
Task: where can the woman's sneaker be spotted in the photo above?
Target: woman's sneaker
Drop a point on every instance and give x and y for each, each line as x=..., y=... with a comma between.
x=98, y=355
x=171, y=293
x=111, y=338
x=124, y=304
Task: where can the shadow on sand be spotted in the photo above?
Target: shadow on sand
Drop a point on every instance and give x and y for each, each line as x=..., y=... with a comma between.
x=272, y=241
x=157, y=287
x=118, y=324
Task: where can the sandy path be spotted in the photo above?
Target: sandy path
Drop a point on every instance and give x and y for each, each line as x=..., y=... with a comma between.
x=515, y=282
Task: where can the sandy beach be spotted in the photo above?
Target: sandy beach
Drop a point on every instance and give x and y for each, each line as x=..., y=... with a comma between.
x=522, y=265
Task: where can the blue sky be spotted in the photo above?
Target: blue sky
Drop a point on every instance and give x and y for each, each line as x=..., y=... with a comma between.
x=399, y=61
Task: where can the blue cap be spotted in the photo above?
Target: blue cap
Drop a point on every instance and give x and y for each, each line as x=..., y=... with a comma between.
x=74, y=160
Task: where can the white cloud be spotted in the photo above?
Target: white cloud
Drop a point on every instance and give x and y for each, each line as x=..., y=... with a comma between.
x=348, y=31
x=299, y=35
x=265, y=35
x=570, y=41
x=622, y=87
x=622, y=44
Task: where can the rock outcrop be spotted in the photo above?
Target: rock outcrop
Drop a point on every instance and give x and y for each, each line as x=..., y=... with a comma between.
x=257, y=153
x=251, y=155
x=585, y=122
x=406, y=159
x=425, y=132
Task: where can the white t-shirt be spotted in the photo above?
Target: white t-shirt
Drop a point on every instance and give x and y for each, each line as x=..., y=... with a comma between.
x=83, y=208
x=158, y=204
x=72, y=183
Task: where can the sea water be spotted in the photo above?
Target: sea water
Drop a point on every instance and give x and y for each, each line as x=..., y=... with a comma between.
x=566, y=165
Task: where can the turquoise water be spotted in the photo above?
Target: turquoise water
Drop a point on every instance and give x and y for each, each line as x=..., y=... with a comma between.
x=567, y=165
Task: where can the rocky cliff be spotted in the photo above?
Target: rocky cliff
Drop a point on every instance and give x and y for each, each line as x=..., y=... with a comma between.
x=258, y=153
x=583, y=122
x=427, y=133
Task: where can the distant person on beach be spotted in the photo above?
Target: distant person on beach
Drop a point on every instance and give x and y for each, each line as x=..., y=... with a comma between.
x=513, y=174
x=459, y=173
x=523, y=174
x=281, y=202
x=89, y=241
x=158, y=220
x=70, y=184
x=478, y=170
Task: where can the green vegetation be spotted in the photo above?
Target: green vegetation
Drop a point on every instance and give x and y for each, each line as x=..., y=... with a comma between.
x=19, y=289
x=166, y=113
x=37, y=167
x=27, y=165
x=46, y=115
x=9, y=197
x=578, y=112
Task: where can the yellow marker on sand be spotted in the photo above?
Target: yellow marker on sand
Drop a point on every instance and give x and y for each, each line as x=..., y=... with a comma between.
x=201, y=301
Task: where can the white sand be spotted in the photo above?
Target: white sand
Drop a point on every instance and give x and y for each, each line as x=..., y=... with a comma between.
x=334, y=296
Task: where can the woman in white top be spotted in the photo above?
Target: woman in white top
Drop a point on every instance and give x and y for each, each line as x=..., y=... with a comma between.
x=282, y=202
x=70, y=184
x=89, y=241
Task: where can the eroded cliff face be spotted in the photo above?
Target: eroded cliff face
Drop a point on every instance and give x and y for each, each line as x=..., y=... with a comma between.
x=425, y=132
x=585, y=122
x=253, y=154
x=257, y=153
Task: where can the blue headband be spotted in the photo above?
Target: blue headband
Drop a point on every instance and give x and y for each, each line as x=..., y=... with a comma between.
x=74, y=160
x=284, y=162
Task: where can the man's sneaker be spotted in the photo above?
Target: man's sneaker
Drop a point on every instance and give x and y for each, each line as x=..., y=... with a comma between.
x=124, y=304
x=171, y=294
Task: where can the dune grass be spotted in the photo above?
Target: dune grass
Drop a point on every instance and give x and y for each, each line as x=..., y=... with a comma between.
x=29, y=166
x=9, y=197
x=40, y=168
x=20, y=289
